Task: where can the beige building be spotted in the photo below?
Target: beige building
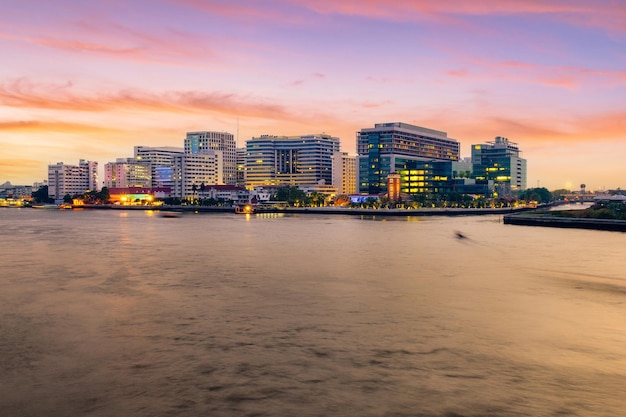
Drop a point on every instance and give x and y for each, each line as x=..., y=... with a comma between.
x=344, y=173
x=72, y=179
x=129, y=172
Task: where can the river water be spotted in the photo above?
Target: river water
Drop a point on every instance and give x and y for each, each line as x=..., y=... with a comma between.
x=125, y=313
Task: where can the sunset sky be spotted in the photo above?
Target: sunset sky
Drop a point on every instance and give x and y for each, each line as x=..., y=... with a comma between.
x=92, y=79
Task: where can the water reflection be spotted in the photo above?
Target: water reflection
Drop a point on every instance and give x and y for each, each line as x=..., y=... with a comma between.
x=221, y=315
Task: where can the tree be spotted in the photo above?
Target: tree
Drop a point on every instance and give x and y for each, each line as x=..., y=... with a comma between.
x=317, y=199
x=41, y=195
x=67, y=199
x=291, y=194
x=540, y=195
x=104, y=195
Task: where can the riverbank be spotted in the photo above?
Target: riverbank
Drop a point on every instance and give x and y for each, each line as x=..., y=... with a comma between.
x=548, y=220
x=322, y=210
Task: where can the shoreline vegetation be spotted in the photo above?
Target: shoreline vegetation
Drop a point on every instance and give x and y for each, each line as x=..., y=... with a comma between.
x=601, y=216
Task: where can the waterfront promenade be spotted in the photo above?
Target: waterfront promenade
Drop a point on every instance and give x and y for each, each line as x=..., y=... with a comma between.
x=324, y=210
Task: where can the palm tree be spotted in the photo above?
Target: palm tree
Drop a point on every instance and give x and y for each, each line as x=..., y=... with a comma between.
x=194, y=189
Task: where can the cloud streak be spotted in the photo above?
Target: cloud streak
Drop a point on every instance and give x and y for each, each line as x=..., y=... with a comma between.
x=24, y=94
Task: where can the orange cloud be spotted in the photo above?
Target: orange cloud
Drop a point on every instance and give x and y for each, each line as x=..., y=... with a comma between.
x=53, y=126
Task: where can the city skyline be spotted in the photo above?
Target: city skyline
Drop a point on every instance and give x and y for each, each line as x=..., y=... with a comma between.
x=91, y=81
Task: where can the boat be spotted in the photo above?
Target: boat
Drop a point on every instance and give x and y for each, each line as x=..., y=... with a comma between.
x=170, y=214
x=46, y=206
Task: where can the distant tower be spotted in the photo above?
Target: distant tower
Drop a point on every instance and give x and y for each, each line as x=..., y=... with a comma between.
x=582, y=188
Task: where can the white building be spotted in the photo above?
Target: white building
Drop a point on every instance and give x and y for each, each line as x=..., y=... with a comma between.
x=129, y=172
x=161, y=160
x=72, y=179
x=344, y=173
x=206, y=142
x=193, y=170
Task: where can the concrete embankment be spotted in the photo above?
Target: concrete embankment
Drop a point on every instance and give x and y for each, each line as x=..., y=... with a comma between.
x=547, y=220
x=204, y=209
x=399, y=212
x=325, y=210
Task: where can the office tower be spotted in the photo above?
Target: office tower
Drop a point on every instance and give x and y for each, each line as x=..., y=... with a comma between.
x=411, y=151
x=127, y=172
x=290, y=160
x=500, y=161
x=72, y=179
x=161, y=160
x=344, y=173
x=241, y=167
x=205, y=141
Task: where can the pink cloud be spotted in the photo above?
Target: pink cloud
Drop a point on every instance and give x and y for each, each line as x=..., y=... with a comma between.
x=582, y=13
x=64, y=97
x=554, y=76
x=462, y=73
x=103, y=37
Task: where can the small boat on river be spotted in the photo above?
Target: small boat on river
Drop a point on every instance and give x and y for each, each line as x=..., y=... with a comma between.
x=46, y=206
x=170, y=214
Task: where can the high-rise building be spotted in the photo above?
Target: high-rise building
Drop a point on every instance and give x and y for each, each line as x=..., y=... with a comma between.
x=411, y=151
x=206, y=142
x=344, y=173
x=500, y=162
x=161, y=160
x=191, y=171
x=127, y=172
x=241, y=167
x=72, y=179
x=290, y=160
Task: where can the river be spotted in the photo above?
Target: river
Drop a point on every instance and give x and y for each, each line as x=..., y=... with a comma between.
x=126, y=313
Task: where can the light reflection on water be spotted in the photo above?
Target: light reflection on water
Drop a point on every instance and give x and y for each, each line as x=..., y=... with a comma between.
x=127, y=313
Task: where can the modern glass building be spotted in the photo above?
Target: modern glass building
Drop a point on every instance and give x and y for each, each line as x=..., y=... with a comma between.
x=290, y=160
x=500, y=162
x=411, y=151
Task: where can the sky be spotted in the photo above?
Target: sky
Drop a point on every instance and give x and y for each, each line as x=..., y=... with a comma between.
x=92, y=79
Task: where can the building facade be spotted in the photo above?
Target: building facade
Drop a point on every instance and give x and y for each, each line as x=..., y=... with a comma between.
x=207, y=142
x=161, y=160
x=408, y=150
x=499, y=161
x=344, y=173
x=127, y=172
x=72, y=179
x=191, y=171
x=290, y=160
x=241, y=167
